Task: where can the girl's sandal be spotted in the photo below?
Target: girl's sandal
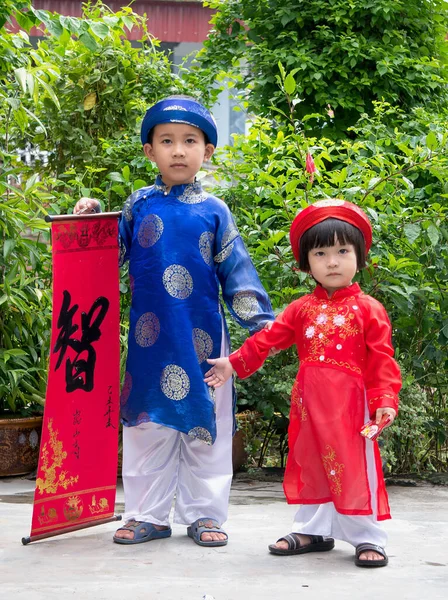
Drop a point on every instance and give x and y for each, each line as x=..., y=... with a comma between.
x=363, y=562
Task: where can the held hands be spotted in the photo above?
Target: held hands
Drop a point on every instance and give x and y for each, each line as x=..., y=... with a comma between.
x=383, y=412
x=220, y=372
x=86, y=206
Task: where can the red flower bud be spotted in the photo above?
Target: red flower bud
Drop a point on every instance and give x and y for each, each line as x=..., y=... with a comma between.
x=309, y=164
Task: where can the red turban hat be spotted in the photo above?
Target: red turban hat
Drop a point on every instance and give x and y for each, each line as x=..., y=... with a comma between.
x=329, y=209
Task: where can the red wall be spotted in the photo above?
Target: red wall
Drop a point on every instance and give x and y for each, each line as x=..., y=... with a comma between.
x=168, y=21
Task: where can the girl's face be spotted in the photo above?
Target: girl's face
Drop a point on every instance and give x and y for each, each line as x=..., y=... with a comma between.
x=333, y=266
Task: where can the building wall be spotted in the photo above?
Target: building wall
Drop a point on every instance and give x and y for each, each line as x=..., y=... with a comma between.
x=181, y=26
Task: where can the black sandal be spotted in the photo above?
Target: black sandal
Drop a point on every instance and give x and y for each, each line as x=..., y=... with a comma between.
x=318, y=544
x=363, y=562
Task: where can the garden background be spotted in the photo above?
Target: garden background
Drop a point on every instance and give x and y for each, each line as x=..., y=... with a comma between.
x=346, y=99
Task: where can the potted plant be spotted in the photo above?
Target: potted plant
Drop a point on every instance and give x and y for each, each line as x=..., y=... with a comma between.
x=25, y=320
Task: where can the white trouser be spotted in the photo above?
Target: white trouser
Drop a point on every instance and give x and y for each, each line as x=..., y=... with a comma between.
x=160, y=464
x=323, y=519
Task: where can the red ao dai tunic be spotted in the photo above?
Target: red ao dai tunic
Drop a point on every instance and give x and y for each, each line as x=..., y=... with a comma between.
x=346, y=363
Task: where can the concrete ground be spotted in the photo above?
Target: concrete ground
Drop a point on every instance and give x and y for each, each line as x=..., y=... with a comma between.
x=87, y=565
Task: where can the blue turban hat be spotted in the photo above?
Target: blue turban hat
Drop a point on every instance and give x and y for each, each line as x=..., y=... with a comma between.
x=178, y=109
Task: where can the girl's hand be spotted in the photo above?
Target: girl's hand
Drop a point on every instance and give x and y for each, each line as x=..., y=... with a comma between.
x=273, y=351
x=385, y=411
x=86, y=206
x=220, y=372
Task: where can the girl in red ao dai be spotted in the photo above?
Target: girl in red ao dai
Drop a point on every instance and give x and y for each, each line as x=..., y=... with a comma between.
x=347, y=375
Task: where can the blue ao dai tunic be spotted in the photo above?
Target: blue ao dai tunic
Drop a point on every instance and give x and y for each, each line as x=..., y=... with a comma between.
x=182, y=246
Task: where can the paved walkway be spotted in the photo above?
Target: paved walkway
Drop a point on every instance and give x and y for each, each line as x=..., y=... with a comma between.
x=86, y=565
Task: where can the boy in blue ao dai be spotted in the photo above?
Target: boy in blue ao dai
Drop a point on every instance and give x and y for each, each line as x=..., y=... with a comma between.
x=183, y=248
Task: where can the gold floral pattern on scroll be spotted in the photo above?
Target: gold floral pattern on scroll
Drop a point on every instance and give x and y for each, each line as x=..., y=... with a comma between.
x=52, y=460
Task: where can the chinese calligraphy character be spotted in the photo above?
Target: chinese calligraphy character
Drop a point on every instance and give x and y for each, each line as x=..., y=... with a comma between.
x=77, y=419
x=109, y=409
x=79, y=372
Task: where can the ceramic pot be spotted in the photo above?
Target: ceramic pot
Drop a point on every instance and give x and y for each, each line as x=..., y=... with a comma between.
x=19, y=445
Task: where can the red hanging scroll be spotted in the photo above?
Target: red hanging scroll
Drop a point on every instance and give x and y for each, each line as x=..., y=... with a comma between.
x=77, y=472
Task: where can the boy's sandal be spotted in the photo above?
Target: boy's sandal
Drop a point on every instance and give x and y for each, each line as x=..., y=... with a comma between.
x=318, y=543
x=206, y=525
x=143, y=532
x=363, y=562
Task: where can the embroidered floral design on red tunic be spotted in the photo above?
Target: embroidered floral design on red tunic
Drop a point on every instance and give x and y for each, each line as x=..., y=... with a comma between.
x=325, y=323
x=333, y=470
x=240, y=358
x=297, y=401
x=394, y=399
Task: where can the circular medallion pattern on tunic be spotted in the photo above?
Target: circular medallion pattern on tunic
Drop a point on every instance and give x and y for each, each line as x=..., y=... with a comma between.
x=147, y=330
x=126, y=390
x=200, y=433
x=150, y=231
x=174, y=382
x=193, y=194
x=127, y=210
x=245, y=304
x=212, y=395
x=203, y=344
x=205, y=246
x=177, y=281
x=122, y=254
x=230, y=234
x=221, y=257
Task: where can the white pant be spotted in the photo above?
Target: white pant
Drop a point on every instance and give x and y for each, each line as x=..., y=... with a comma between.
x=160, y=464
x=323, y=519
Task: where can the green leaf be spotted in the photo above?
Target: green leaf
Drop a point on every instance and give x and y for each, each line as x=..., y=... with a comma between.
x=282, y=70
x=49, y=91
x=128, y=22
x=72, y=24
x=290, y=84
x=21, y=74
x=126, y=173
x=114, y=176
x=137, y=184
x=7, y=247
x=373, y=182
x=88, y=41
x=433, y=234
x=100, y=29
x=412, y=232
x=408, y=184
x=55, y=28
x=23, y=20
x=431, y=140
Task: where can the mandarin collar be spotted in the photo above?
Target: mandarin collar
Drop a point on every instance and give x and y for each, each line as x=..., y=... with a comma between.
x=350, y=290
x=178, y=190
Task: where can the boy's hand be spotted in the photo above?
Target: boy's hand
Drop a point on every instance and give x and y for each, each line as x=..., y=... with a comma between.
x=220, y=372
x=86, y=206
x=380, y=412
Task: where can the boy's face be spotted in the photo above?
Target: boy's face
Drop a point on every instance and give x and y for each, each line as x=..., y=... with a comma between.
x=178, y=151
x=333, y=266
